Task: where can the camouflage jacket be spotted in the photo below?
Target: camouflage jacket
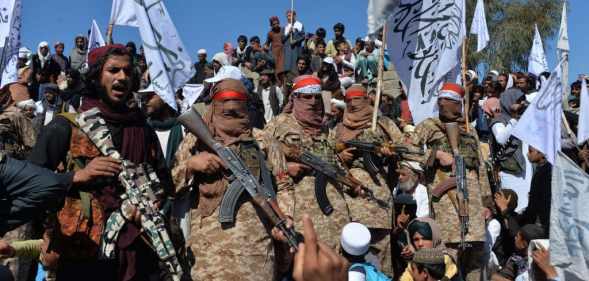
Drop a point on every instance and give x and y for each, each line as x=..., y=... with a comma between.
x=17, y=135
x=241, y=251
x=362, y=210
x=283, y=136
x=431, y=134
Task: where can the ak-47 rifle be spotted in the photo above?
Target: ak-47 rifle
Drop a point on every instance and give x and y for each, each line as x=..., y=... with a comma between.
x=324, y=172
x=372, y=153
x=453, y=133
x=242, y=179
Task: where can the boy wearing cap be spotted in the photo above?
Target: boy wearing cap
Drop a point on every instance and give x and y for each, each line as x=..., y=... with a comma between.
x=428, y=265
x=438, y=163
x=355, y=243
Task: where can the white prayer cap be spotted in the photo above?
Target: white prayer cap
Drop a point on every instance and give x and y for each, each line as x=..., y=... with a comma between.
x=338, y=103
x=202, y=52
x=346, y=82
x=221, y=58
x=413, y=165
x=328, y=60
x=473, y=75
x=24, y=52
x=494, y=72
x=355, y=239
x=226, y=72
x=26, y=104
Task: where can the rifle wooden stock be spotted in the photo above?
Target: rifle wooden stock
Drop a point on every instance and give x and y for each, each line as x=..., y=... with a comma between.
x=443, y=187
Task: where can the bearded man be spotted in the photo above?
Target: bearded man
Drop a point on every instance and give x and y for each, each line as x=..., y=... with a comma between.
x=81, y=234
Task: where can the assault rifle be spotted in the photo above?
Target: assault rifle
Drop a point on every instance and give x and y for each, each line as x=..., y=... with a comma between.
x=325, y=172
x=142, y=189
x=371, y=151
x=242, y=179
x=452, y=131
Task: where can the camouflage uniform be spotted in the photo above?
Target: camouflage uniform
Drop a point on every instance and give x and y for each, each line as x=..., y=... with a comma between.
x=17, y=137
x=377, y=219
x=243, y=251
x=431, y=133
x=299, y=198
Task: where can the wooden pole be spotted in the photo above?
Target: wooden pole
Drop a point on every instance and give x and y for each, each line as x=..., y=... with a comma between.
x=291, y=19
x=464, y=82
x=109, y=34
x=379, y=79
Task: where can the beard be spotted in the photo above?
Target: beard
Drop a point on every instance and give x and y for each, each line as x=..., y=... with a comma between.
x=408, y=185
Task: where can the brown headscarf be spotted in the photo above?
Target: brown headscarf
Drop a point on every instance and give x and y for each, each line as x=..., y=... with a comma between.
x=309, y=111
x=436, y=235
x=228, y=120
x=357, y=115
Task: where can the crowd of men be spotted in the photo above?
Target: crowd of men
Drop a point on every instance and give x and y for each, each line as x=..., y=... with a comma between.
x=82, y=137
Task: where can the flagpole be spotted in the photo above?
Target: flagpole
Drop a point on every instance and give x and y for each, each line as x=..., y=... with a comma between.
x=109, y=34
x=291, y=19
x=379, y=78
x=466, y=93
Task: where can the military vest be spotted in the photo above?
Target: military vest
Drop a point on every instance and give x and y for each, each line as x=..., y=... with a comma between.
x=467, y=145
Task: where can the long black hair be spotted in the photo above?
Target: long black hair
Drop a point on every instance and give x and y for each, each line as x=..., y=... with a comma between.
x=92, y=78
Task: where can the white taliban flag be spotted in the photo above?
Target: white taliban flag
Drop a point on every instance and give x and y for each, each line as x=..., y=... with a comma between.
x=10, y=26
x=562, y=51
x=569, y=224
x=583, y=126
x=378, y=12
x=563, y=34
x=537, y=62
x=424, y=45
x=123, y=13
x=479, y=26
x=540, y=125
x=169, y=64
x=95, y=39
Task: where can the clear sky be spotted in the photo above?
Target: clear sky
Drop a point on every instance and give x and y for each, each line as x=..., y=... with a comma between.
x=207, y=24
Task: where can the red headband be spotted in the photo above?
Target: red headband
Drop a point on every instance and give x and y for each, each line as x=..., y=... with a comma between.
x=354, y=93
x=306, y=80
x=454, y=88
x=229, y=95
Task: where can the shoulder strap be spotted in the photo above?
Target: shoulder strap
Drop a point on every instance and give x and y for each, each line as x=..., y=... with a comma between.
x=85, y=197
x=71, y=117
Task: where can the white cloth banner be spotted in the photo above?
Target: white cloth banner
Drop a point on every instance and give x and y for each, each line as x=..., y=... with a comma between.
x=569, y=224
x=479, y=26
x=540, y=125
x=425, y=38
x=563, y=34
x=537, y=62
x=378, y=11
x=95, y=39
x=10, y=25
x=583, y=126
x=169, y=64
x=191, y=92
x=562, y=51
x=123, y=13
